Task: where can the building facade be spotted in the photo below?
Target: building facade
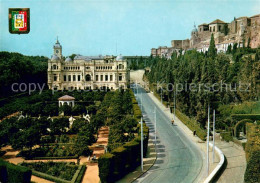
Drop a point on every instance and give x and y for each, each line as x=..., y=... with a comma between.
x=86, y=72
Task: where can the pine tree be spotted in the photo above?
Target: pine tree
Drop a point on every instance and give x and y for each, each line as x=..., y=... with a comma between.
x=212, y=48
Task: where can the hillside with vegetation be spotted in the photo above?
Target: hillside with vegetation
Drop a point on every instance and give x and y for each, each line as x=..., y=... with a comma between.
x=238, y=65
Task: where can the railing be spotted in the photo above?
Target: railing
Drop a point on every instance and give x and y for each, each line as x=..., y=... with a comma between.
x=219, y=166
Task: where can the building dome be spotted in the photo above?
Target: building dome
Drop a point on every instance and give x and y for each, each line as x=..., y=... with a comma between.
x=54, y=57
x=119, y=58
x=68, y=59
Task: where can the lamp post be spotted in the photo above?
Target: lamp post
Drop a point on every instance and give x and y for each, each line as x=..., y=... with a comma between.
x=155, y=126
x=174, y=104
x=208, y=142
x=213, y=150
x=142, y=144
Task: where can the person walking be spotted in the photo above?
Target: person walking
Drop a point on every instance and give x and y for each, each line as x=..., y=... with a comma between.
x=172, y=121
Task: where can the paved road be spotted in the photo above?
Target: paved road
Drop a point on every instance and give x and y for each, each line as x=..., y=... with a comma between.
x=179, y=159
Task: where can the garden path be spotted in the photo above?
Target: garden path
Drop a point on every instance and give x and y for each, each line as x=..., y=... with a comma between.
x=91, y=174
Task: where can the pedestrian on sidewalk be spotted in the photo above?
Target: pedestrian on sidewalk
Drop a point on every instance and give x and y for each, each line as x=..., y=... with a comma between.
x=172, y=121
x=194, y=133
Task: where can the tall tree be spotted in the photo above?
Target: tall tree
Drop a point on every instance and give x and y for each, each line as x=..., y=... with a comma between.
x=212, y=48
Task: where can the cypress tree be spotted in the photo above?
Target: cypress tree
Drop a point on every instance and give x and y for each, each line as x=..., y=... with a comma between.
x=212, y=48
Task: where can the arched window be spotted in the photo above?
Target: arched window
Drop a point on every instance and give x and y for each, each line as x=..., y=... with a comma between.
x=88, y=77
x=54, y=66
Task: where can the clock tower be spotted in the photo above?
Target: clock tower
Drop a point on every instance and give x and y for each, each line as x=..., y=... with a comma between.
x=57, y=49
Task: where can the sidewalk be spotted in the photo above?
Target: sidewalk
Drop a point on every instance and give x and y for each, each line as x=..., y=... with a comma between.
x=235, y=155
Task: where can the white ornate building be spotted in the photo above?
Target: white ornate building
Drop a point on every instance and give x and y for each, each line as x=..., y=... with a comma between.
x=86, y=72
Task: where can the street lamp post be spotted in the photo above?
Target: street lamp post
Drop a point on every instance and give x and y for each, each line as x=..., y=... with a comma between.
x=174, y=104
x=208, y=143
x=155, y=126
x=213, y=150
x=142, y=144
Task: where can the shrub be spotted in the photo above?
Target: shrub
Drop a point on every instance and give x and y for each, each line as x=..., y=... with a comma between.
x=239, y=117
x=13, y=173
x=106, y=168
x=81, y=174
x=3, y=171
x=253, y=139
x=133, y=154
x=60, y=170
x=226, y=136
x=239, y=125
x=252, y=174
x=119, y=161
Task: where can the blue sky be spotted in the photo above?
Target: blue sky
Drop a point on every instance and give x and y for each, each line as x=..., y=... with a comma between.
x=92, y=27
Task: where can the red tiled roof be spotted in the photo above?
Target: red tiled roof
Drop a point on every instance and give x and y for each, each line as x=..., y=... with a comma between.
x=66, y=98
x=217, y=21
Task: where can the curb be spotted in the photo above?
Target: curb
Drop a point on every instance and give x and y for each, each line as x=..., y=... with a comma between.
x=219, y=166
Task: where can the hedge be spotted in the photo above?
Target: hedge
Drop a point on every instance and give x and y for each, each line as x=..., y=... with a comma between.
x=49, y=177
x=137, y=112
x=13, y=173
x=253, y=139
x=252, y=174
x=81, y=174
x=123, y=159
x=77, y=178
x=106, y=168
x=51, y=157
x=239, y=125
x=192, y=125
x=239, y=117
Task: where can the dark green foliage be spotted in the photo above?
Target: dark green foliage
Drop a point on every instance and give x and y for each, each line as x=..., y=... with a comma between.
x=119, y=161
x=61, y=169
x=84, y=139
x=106, y=168
x=126, y=157
x=11, y=173
x=212, y=52
x=252, y=174
x=66, y=109
x=241, y=124
x=81, y=174
x=239, y=117
x=136, y=63
x=226, y=136
x=229, y=49
x=17, y=68
x=200, y=69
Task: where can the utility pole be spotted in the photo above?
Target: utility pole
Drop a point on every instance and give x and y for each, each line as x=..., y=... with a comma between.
x=208, y=142
x=142, y=144
x=174, y=105
x=213, y=150
x=142, y=101
x=155, y=126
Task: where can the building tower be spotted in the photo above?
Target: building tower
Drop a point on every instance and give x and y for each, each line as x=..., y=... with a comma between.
x=57, y=49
